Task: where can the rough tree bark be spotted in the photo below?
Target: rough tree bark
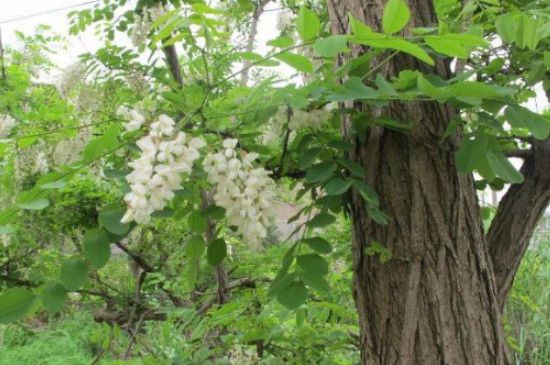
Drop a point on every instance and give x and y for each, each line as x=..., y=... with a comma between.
x=517, y=216
x=437, y=301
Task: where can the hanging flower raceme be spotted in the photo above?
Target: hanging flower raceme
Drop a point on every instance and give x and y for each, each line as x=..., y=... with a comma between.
x=157, y=173
x=7, y=123
x=143, y=23
x=245, y=192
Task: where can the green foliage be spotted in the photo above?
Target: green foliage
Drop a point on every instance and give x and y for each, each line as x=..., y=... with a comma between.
x=73, y=273
x=58, y=227
x=396, y=16
x=96, y=247
x=15, y=303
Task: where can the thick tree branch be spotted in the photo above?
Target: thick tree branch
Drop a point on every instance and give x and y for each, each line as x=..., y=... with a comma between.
x=210, y=234
x=519, y=153
x=517, y=216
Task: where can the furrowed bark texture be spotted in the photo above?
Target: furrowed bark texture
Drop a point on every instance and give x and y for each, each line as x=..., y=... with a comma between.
x=517, y=216
x=435, y=301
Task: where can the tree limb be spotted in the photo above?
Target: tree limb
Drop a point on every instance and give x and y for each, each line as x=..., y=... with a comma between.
x=258, y=10
x=517, y=216
x=519, y=153
x=210, y=234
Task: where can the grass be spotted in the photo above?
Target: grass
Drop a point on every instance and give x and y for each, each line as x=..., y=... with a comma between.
x=65, y=341
x=74, y=338
x=527, y=313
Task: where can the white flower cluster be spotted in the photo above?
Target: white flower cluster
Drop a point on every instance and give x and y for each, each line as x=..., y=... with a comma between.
x=138, y=81
x=7, y=122
x=245, y=192
x=71, y=78
x=40, y=163
x=165, y=155
x=68, y=150
x=143, y=23
x=134, y=118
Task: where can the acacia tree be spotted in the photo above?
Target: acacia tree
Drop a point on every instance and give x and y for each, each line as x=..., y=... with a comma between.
x=404, y=102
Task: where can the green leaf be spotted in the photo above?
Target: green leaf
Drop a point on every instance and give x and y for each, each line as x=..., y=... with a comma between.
x=281, y=42
x=15, y=303
x=307, y=24
x=455, y=44
x=447, y=47
x=506, y=27
x=53, y=297
x=476, y=90
x=74, y=273
x=110, y=217
x=321, y=220
x=318, y=244
x=315, y=281
x=520, y=117
x=313, y=263
x=377, y=215
x=37, y=204
x=396, y=16
x=353, y=167
x=308, y=157
x=195, y=247
x=430, y=90
x=354, y=89
x=97, y=247
x=366, y=192
x=337, y=186
x=384, y=86
x=293, y=295
x=216, y=251
x=377, y=40
x=299, y=62
x=503, y=168
x=288, y=259
x=407, y=47
x=320, y=172
x=26, y=141
x=197, y=222
x=331, y=46
x=102, y=145
x=471, y=152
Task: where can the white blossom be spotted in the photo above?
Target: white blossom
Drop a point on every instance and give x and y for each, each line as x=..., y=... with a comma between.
x=7, y=122
x=143, y=22
x=71, y=78
x=68, y=150
x=245, y=192
x=40, y=165
x=157, y=173
x=133, y=117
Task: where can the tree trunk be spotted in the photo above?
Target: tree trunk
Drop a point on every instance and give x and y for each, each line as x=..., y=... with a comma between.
x=435, y=301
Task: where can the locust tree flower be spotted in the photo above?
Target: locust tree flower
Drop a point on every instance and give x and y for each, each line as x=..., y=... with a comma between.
x=244, y=191
x=7, y=123
x=157, y=173
x=134, y=119
x=143, y=23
